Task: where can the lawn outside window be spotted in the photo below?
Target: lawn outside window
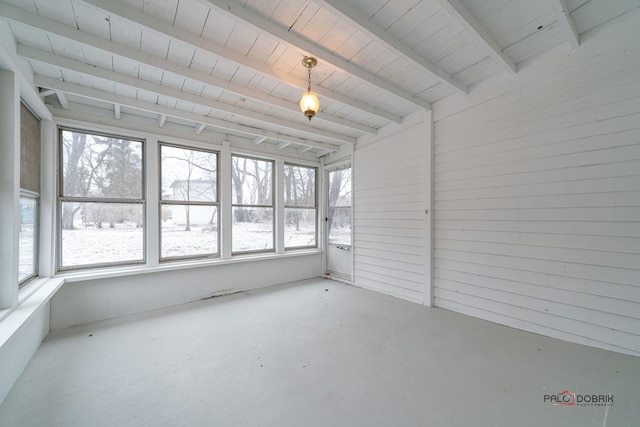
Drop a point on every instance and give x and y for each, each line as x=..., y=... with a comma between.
x=101, y=205
x=189, y=210
x=253, y=205
x=300, y=207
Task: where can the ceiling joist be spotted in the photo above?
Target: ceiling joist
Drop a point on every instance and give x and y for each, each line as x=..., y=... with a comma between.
x=566, y=22
x=222, y=125
x=365, y=25
x=147, y=21
x=283, y=35
x=111, y=76
x=466, y=20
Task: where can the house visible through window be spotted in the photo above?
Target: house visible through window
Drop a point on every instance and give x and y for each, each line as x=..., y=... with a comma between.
x=188, y=202
x=253, y=204
x=101, y=200
x=300, y=207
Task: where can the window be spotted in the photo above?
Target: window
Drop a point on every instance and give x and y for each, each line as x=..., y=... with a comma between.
x=28, y=237
x=188, y=202
x=300, y=207
x=253, y=205
x=29, y=195
x=101, y=200
x=340, y=207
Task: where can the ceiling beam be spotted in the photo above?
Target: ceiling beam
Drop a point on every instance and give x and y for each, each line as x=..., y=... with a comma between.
x=147, y=21
x=134, y=82
x=199, y=128
x=303, y=150
x=112, y=48
x=116, y=111
x=259, y=140
x=305, y=47
x=282, y=145
x=339, y=8
x=222, y=125
x=566, y=22
x=64, y=100
x=161, y=120
x=45, y=93
x=463, y=17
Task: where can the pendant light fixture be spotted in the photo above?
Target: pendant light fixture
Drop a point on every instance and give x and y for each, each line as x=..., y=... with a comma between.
x=309, y=103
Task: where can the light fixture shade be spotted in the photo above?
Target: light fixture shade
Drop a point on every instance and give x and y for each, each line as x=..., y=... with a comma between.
x=309, y=104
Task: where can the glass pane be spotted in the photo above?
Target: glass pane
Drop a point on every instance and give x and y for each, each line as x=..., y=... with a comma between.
x=252, y=181
x=299, y=228
x=340, y=188
x=188, y=175
x=101, y=166
x=27, y=238
x=299, y=186
x=252, y=229
x=189, y=230
x=340, y=226
x=101, y=233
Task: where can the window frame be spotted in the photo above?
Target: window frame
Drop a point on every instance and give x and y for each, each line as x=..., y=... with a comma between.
x=162, y=203
x=272, y=206
x=315, y=204
x=60, y=199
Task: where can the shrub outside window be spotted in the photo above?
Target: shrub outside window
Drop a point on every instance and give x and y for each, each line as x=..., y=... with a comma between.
x=188, y=202
x=253, y=205
x=300, y=207
x=100, y=200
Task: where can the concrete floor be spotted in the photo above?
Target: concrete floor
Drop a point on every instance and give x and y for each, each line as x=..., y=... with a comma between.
x=314, y=353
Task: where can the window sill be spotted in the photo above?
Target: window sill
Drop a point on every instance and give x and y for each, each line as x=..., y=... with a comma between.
x=106, y=273
x=32, y=297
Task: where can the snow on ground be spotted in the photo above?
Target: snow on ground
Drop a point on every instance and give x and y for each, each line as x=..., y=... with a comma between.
x=124, y=243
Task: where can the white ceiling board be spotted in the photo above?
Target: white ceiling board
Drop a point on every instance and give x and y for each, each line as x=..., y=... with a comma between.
x=391, y=12
x=63, y=47
x=92, y=21
x=155, y=44
x=163, y=9
x=124, y=33
x=97, y=57
x=262, y=49
x=410, y=21
x=537, y=44
x=203, y=62
x=28, y=5
x=46, y=70
x=191, y=16
x=180, y=53
x=425, y=30
x=242, y=38
x=597, y=12
x=58, y=10
x=30, y=36
x=217, y=27
x=151, y=74
x=213, y=93
x=126, y=66
x=125, y=91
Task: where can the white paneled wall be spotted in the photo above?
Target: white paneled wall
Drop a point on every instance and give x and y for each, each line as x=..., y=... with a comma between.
x=391, y=228
x=537, y=195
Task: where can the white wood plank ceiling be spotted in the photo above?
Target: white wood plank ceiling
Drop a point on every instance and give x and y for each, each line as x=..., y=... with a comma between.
x=233, y=67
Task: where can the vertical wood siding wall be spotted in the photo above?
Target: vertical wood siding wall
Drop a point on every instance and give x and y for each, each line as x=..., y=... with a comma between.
x=537, y=195
x=390, y=198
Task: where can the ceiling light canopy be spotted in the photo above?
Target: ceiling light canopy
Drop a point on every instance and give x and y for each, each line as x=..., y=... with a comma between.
x=309, y=103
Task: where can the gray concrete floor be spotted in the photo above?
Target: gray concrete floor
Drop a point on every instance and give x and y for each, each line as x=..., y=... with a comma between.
x=314, y=353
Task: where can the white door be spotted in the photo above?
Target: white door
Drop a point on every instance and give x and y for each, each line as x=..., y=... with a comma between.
x=339, y=260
